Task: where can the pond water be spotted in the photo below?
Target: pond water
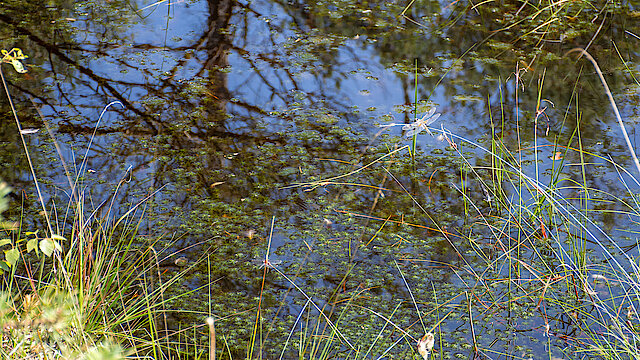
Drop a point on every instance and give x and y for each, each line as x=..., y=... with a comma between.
x=256, y=127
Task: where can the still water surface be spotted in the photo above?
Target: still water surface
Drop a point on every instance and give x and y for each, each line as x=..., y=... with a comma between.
x=244, y=112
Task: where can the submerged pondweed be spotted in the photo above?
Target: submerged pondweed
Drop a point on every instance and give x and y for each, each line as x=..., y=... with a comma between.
x=511, y=232
x=425, y=345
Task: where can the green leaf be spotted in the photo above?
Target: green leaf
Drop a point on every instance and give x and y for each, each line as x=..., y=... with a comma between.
x=12, y=256
x=32, y=245
x=58, y=237
x=50, y=244
x=14, y=56
x=17, y=65
x=5, y=242
x=4, y=266
x=47, y=246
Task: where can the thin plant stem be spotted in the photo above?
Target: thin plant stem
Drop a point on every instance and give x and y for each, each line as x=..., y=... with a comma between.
x=613, y=103
x=413, y=299
x=35, y=180
x=26, y=151
x=212, y=337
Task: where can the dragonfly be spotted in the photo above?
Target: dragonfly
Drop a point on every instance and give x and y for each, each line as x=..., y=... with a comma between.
x=421, y=124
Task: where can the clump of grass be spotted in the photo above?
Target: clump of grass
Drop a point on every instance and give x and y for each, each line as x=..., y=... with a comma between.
x=88, y=286
x=47, y=325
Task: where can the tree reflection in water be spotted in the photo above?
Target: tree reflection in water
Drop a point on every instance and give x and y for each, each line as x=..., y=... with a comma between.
x=230, y=103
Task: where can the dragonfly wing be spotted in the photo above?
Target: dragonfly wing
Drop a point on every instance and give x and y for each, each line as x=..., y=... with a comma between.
x=410, y=133
x=433, y=119
x=431, y=111
x=416, y=130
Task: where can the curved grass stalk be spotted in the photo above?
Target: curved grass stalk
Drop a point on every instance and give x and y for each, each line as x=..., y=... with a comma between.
x=613, y=103
x=315, y=184
x=26, y=151
x=413, y=299
x=52, y=235
x=293, y=327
